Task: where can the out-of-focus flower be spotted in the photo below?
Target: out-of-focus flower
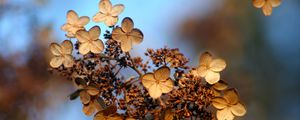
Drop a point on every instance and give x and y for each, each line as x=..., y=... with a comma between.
x=108, y=13
x=209, y=68
x=158, y=82
x=89, y=41
x=266, y=5
x=127, y=35
x=74, y=23
x=62, y=54
x=228, y=106
x=218, y=87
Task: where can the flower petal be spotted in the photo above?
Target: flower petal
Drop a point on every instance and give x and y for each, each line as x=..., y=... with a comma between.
x=99, y=17
x=92, y=91
x=97, y=46
x=217, y=65
x=68, y=61
x=56, y=62
x=88, y=109
x=94, y=32
x=166, y=86
x=105, y=6
x=238, y=110
x=136, y=36
x=118, y=34
x=55, y=49
x=67, y=47
x=162, y=73
x=84, y=97
x=224, y=114
x=155, y=91
x=201, y=71
x=212, y=77
x=275, y=3
x=205, y=59
x=111, y=21
x=82, y=36
x=83, y=21
x=148, y=80
x=221, y=85
x=127, y=24
x=126, y=45
x=267, y=9
x=219, y=103
x=117, y=10
x=258, y=3
x=84, y=48
x=231, y=96
x=72, y=17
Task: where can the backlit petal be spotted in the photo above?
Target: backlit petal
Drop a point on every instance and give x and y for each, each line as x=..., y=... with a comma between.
x=238, y=110
x=162, y=73
x=111, y=21
x=84, y=97
x=205, y=59
x=105, y=6
x=258, y=3
x=155, y=91
x=82, y=36
x=72, y=17
x=97, y=46
x=68, y=61
x=88, y=109
x=94, y=32
x=127, y=24
x=56, y=61
x=221, y=85
x=267, y=9
x=99, y=17
x=84, y=48
x=83, y=21
x=148, y=80
x=67, y=47
x=166, y=86
x=217, y=65
x=118, y=34
x=126, y=45
x=225, y=114
x=136, y=36
x=117, y=10
x=275, y=3
x=219, y=103
x=231, y=96
x=55, y=49
x=212, y=77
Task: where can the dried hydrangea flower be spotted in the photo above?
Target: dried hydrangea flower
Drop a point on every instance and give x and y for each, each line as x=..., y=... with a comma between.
x=74, y=23
x=127, y=35
x=229, y=105
x=62, y=54
x=108, y=13
x=89, y=41
x=209, y=68
x=158, y=82
x=218, y=87
x=108, y=114
x=266, y=5
x=92, y=107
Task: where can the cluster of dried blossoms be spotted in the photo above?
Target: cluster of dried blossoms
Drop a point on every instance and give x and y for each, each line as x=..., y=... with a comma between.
x=266, y=5
x=168, y=89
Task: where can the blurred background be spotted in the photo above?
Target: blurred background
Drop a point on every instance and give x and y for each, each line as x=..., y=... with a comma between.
x=263, y=53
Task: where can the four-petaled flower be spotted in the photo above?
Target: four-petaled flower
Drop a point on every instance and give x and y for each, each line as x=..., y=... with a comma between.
x=62, y=53
x=209, y=68
x=90, y=105
x=74, y=23
x=89, y=41
x=127, y=35
x=266, y=5
x=158, y=82
x=228, y=106
x=108, y=13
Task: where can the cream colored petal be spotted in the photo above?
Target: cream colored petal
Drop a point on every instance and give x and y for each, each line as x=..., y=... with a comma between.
x=219, y=103
x=66, y=27
x=88, y=109
x=83, y=21
x=212, y=77
x=148, y=80
x=162, y=73
x=275, y=3
x=105, y=6
x=136, y=36
x=99, y=17
x=221, y=85
x=117, y=10
x=231, y=96
x=202, y=71
x=217, y=65
x=55, y=49
x=84, y=97
x=94, y=32
x=205, y=59
x=225, y=114
x=68, y=61
x=67, y=47
x=111, y=21
x=258, y=3
x=155, y=91
x=82, y=36
x=267, y=9
x=126, y=45
x=84, y=48
x=118, y=34
x=56, y=62
x=238, y=110
x=72, y=17
x=92, y=91
x=166, y=86
x=127, y=24
x=216, y=93
x=97, y=46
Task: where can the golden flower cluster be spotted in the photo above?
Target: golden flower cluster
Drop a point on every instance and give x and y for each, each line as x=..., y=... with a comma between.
x=167, y=89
